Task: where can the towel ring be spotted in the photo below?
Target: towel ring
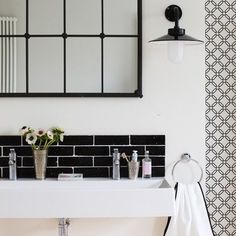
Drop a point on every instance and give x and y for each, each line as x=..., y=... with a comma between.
x=185, y=158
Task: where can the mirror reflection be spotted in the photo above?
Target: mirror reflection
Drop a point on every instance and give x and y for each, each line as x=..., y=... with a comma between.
x=70, y=48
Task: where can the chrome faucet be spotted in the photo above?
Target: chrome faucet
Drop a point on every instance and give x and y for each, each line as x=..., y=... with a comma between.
x=12, y=165
x=63, y=226
x=116, y=164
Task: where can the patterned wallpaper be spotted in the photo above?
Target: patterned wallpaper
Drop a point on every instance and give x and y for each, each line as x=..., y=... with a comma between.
x=221, y=114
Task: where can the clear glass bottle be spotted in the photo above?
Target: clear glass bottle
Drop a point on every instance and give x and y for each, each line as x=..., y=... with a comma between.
x=146, y=166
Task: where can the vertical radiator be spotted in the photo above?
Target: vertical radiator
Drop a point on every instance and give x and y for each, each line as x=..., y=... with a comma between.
x=8, y=55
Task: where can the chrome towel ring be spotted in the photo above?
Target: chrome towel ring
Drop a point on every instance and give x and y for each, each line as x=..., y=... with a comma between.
x=185, y=158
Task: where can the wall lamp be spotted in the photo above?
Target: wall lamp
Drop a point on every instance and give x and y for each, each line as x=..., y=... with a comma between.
x=176, y=37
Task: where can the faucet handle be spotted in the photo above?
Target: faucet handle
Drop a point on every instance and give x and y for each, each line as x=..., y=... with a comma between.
x=11, y=162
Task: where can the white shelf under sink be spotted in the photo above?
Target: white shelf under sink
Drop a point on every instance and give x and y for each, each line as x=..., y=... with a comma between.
x=87, y=198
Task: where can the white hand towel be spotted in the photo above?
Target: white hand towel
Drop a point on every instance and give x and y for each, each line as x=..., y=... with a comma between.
x=191, y=218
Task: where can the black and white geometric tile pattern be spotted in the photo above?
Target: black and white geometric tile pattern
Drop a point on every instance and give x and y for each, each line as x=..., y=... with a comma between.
x=221, y=114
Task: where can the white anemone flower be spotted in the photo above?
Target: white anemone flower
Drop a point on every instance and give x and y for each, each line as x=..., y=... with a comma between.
x=40, y=132
x=50, y=134
x=61, y=137
x=31, y=138
x=23, y=130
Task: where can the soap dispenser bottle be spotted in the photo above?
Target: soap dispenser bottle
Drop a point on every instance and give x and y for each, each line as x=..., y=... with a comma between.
x=134, y=166
x=146, y=166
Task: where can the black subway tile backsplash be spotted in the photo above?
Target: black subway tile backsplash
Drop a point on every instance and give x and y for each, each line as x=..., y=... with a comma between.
x=25, y=172
x=92, y=151
x=156, y=150
x=158, y=161
x=112, y=140
x=102, y=172
x=21, y=151
x=75, y=161
x=8, y=140
x=78, y=140
x=103, y=161
x=4, y=161
x=147, y=139
x=158, y=171
x=5, y=172
x=86, y=154
x=54, y=172
x=60, y=151
x=28, y=161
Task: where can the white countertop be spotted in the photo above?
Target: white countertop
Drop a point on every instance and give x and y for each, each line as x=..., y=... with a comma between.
x=87, y=198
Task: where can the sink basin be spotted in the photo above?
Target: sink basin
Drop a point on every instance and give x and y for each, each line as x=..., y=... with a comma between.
x=87, y=198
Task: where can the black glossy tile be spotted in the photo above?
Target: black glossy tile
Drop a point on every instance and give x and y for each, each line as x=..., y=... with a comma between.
x=60, y=151
x=75, y=161
x=156, y=150
x=123, y=172
x=4, y=161
x=5, y=173
x=29, y=161
x=158, y=171
x=19, y=161
x=93, y=172
x=20, y=151
x=158, y=161
x=92, y=151
x=148, y=139
x=103, y=161
x=10, y=140
x=129, y=149
x=52, y=161
x=112, y=140
x=25, y=173
x=77, y=140
x=54, y=172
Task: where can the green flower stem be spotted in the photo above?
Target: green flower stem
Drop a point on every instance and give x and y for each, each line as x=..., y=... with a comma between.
x=45, y=145
x=49, y=143
x=40, y=142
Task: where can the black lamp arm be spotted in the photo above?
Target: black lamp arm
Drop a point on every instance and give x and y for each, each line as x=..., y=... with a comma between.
x=176, y=16
x=174, y=13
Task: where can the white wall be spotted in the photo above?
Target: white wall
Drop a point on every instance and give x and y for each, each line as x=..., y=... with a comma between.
x=173, y=104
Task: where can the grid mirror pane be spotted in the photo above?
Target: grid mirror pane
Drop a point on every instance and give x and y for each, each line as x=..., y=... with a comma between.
x=83, y=66
x=120, y=16
x=86, y=19
x=46, y=61
x=120, y=57
x=46, y=16
x=87, y=48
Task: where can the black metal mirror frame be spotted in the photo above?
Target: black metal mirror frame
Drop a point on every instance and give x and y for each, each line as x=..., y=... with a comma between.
x=64, y=36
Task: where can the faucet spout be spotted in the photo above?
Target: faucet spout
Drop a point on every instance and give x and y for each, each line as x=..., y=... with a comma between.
x=12, y=165
x=63, y=226
x=116, y=164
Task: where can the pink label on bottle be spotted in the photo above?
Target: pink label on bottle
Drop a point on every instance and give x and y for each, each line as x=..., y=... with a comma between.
x=147, y=168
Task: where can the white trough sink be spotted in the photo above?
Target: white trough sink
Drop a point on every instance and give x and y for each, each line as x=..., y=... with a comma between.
x=88, y=198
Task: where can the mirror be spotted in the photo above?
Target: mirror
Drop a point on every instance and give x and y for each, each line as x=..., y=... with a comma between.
x=70, y=48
